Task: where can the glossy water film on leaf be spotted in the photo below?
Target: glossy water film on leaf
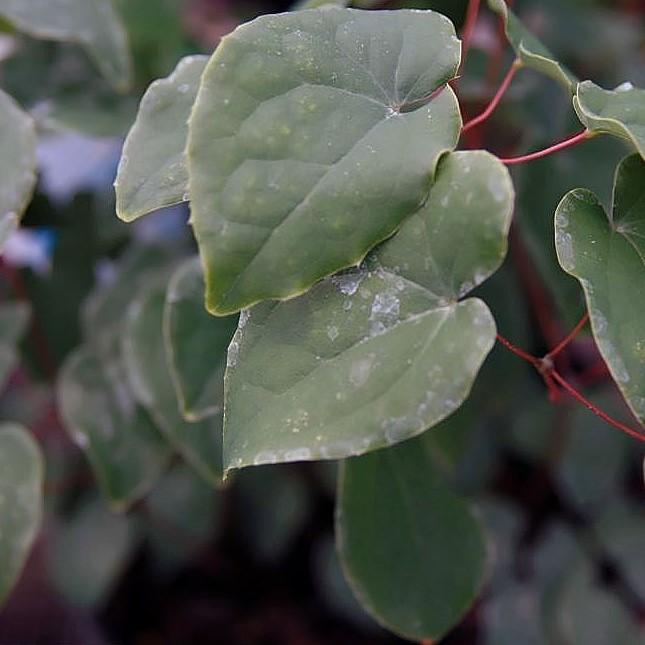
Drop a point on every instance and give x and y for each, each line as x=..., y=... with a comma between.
x=607, y=255
x=152, y=172
x=374, y=355
x=21, y=501
x=314, y=135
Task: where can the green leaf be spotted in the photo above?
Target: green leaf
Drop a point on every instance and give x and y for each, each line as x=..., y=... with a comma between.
x=530, y=51
x=21, y=501
x=314, y=135
x=89, y=552
x=152, y=173
x=149, y=375
x=13, y=324
x=607, y=255
x=94, y=24
x=120, y=440
x=17, y=164
x=620, y=112
x=379, y=354
x=196, y=344
x=410, y=548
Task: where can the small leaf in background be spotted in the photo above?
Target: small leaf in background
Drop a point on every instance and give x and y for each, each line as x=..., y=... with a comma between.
x=607, y=255
x=314, y=135
x=196, y=343
x=376, y=355
x=89, y=552
x=530, y=51
x=152, y=173
x=13, y=324
x=21, y=501
x=149, y=378
x=620, y=112
x=122, y=443
x=411, y=549
x=17, y=164
x=91, y=23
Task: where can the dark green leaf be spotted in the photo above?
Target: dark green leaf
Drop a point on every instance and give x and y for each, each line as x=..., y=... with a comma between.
x=13, y=323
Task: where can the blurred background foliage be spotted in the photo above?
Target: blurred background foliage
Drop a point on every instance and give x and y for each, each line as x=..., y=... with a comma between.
x=560, y=493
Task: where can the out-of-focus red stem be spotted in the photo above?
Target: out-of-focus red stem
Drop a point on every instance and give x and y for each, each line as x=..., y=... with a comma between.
x=472, y=12
x=569, y=339
x=562, y=145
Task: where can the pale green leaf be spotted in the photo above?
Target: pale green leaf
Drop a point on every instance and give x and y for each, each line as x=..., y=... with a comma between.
x=13, y=324
x=123, y=445
x=149, y=376
x=152, y=172
x=607, y=255
x=620, y=112
x=196, y=343
x=21, y=501
x=314, y=135
x=410, y=548
x=530, y=51
x=94, y=24
x=374, y=355
x=17, y=164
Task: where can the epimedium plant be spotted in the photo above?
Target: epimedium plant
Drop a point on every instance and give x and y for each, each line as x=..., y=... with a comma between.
x=330, y=314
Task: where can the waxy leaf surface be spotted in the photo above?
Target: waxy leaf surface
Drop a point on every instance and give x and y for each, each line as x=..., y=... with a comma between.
x=411, y=549
x=607, y=255
x=196, y=343
x=530, y=51
x=21, y=501
x=13, y=323
x=94, y=24
x=122, y=443
x=17, y=164
x=314, y=135
x=152, y=173
x=149, y=375
x=620, y=112
x=374, y=355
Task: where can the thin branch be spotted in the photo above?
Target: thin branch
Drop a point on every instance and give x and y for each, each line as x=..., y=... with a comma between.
x=469, y=28
x=562, y=145
x=635, y=434
x=533, y=360
x=569, y=339
x=492, y=106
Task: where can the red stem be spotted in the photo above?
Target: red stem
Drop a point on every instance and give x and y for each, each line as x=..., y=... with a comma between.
x=492, y=106
x=518, y=352
x=562, y=145
x=567, y=341
x=635, y=434
x=469, y=27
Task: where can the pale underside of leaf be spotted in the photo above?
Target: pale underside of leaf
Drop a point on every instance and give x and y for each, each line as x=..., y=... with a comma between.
x=17, y=164
x=152, y=172
x=123, y=445
x=314, y=135
x=21, y=501
x=620, y=112
x=374, y=355
x=607, y=255
x=149, y=376
x=530, y=51
x=411, y=549
x=196, y=343
x=94, y=24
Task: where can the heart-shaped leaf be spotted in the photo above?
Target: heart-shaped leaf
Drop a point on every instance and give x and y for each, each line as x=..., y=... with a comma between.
x=94, y=24
x=314, y=135
x=375, y=355
x=152, y=173
x=196, y=344
x=410, y=548
x=122, y=443
x=607, y=255
x=530, y=51
x=21, y=501
x=17, y=164
x=620, y=112
x=13, y=323
x=149, y=374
